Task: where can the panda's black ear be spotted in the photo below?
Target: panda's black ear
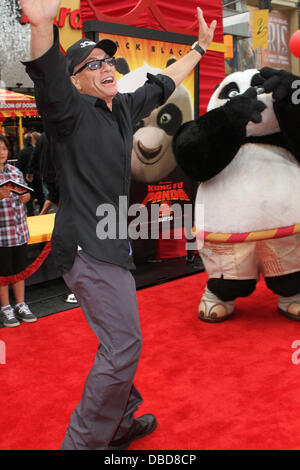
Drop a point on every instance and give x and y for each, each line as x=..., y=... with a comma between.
x=122, y=66
x=217, y=87
x=257, y=80
x=171, y=61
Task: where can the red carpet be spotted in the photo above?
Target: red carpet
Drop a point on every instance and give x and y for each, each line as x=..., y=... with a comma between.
x=231, y=385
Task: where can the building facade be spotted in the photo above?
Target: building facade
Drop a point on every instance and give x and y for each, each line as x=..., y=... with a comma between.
x=240, y=20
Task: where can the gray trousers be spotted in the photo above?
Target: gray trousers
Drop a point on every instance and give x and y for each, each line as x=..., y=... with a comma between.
x=107, y=295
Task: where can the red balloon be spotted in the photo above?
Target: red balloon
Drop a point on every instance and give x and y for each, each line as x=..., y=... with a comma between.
x=294, y=43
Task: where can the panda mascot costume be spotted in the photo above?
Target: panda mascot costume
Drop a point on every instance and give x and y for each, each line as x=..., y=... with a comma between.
x=245, y=152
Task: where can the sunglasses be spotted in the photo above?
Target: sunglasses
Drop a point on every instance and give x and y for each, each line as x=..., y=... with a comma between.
x=97, y=64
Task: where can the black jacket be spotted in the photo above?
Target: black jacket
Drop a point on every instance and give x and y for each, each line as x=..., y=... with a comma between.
x=92, y=154
x=41, y=162
x=24, y=159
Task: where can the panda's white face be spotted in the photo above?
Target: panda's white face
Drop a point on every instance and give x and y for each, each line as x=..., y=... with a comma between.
x=236, y=84
x=152, y=155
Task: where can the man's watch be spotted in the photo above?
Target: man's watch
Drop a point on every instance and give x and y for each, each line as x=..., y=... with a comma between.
x=196, y=47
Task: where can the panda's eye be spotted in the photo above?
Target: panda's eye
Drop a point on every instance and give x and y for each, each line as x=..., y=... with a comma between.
x=169, y=118
x=165, y=118
x=260, y=90
x=229, y=91
x=138, y=125
x=233, y=93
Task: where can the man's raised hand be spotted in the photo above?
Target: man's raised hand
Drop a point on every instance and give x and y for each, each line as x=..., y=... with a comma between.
x=206, y=33
x=40, y=12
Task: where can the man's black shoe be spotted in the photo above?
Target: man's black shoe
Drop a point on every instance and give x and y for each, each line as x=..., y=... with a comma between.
x=141, y=427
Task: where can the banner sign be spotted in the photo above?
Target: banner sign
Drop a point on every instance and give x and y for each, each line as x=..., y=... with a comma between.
x=277, y=54
x=260, y=20
x=255, y=53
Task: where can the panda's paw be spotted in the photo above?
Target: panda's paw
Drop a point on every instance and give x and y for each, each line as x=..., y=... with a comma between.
x=278, y=82
x=245, y=108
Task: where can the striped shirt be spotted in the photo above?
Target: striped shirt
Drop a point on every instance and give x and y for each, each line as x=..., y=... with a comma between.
x=13, y=226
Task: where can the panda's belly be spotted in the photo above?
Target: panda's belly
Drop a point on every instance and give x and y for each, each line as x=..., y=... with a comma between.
x=258, y=190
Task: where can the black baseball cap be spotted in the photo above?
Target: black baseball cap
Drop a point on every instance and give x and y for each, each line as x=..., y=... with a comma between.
x=82, y=49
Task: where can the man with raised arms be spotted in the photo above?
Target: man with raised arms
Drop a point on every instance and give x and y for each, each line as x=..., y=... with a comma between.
x=90, y=128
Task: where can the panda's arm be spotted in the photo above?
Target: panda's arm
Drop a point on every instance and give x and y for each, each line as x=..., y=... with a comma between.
x=285, y=92
x=204, y=147
x=288, y=115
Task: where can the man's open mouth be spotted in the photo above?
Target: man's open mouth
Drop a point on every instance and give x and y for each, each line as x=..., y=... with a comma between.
x=107, y=81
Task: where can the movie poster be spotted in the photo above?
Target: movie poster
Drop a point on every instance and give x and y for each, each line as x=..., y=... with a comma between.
x=156, y=178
